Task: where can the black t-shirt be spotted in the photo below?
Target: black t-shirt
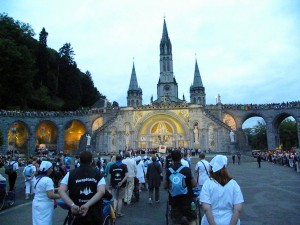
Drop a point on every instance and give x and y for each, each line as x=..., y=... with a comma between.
x=117, y=174
x=182, y=199
x=168, y=161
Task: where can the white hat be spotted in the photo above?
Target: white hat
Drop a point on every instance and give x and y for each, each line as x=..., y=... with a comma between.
x=218, y=162
x=45, y=165
x=138, y=158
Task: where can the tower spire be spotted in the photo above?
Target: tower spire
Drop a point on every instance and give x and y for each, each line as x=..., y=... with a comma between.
x=134, y=93
x=197, y=90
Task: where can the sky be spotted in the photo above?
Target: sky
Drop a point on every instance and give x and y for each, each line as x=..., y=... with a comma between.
x=247, y=51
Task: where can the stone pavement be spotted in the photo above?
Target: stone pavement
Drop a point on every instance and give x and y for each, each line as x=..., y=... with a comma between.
x=271, y=193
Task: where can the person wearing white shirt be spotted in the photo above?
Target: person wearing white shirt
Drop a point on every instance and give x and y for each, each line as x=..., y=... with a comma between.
x=201, y=170
x=28, y=173
x=221, y=196
x=184, y=162
x=131, y=167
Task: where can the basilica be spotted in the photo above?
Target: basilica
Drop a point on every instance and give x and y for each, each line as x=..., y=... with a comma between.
x=168, y=120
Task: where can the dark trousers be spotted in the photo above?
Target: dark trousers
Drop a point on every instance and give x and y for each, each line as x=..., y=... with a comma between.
x=156, y=193
x=12, y=180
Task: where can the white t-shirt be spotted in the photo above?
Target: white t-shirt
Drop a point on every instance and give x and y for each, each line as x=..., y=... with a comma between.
x=202, y=174
x=222, y=199
x=184, y=163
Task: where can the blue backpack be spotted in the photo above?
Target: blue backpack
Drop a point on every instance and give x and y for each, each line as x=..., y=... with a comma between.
x=177, y=182
x=28, y=171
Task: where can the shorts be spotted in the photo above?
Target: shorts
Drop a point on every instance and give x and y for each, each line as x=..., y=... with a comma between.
x=118, y=193
x=178, y=212
x=141, y=180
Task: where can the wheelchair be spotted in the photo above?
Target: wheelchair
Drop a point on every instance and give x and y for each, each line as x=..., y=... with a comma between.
x=108, y=213
x=196, y=200
x=7, y=199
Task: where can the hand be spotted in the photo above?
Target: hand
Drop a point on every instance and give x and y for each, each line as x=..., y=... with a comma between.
x=119, y=184
x=83, y=210
x=75, y=209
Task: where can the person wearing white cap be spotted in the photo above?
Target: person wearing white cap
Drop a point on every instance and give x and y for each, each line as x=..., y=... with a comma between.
x=221, y=196
x=43, y=202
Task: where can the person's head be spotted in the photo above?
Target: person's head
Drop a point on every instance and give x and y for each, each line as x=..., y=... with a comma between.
x=202, y=155
x=218, y=169
x=29, y=161
x=153, y=158
x=46, y=167
x=113, y=158
x=85, y=157
x=127, y=155
x=118, y=157
x=176, y=155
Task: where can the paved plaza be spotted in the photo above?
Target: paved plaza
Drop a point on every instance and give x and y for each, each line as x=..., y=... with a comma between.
x=271, y=193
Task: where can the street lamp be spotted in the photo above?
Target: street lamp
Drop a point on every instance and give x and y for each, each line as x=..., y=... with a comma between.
x=14, y=131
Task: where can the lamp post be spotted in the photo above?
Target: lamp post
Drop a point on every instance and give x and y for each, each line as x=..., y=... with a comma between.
x=14, y=131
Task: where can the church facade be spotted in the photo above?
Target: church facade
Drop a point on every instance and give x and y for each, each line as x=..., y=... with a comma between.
x=168, y=120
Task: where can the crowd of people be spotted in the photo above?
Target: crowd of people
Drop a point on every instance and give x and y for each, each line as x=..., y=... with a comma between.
x=123, y=178
x=284, y=158
x=283, y=105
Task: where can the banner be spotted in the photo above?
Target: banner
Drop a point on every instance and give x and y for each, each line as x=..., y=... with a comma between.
x=162, y=149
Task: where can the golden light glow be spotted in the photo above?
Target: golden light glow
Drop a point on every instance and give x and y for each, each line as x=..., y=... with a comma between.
x=73, y=134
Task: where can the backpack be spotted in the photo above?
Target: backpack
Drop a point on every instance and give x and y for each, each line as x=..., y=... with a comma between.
x=28, y=171
x=177, y=182
x=9, y=169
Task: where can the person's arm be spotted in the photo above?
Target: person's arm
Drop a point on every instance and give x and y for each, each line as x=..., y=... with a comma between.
x=52, y=195
x=123, y=180
x=194, y=182
x=62, y=191
x=207, y=210
x=237, y=209
x=85, y=207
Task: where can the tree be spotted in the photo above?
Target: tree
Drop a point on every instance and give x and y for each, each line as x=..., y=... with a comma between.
x=89, y=94
x=288, y=134
x=257, y=136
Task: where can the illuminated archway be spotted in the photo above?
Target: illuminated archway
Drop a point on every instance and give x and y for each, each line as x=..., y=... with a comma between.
x=18, y=135
x=73, y=132
x=46, y=134
x=162, y=129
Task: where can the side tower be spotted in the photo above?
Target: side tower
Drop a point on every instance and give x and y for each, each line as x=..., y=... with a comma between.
x=134, y=93
x=197, y=90
x=167, y=87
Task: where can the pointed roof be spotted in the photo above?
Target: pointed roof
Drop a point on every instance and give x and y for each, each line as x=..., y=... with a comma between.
x=133, y=80
x=165, y=35
x=197, y=77
x=165, y=41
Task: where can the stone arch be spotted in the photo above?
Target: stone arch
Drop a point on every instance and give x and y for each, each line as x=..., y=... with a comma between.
x=175, y=136
x=46, y=134
x=229, y=120
x=73, y=131
x=278, y=119
x=18, y=135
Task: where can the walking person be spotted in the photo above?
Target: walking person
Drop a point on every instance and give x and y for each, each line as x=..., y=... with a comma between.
x=29, y=172
x=131, y=167
x=239, y=158
x=118, y=177
x=221, y=196
x=233, y=158
x=181, y=210
x=82, y=190
x=12, y=177
x=258, y=160
x=43, y=202
x=201, y=170
x=140, y=173
x=153, y=175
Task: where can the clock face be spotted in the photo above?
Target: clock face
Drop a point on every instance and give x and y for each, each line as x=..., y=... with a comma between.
x=167, y=88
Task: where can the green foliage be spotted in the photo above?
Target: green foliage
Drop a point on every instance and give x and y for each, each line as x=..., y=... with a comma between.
x=257, y=136
x=288, y=134
x=34, y=76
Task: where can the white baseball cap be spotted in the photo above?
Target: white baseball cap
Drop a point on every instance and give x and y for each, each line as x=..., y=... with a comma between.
x=218, y=162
